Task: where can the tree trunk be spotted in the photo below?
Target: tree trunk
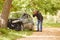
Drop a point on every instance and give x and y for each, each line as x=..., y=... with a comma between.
x=5, y=12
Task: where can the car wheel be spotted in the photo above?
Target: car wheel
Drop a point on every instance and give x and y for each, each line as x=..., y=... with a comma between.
x=18, y=28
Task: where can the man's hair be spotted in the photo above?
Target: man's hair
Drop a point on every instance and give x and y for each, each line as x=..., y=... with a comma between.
x=36, y=11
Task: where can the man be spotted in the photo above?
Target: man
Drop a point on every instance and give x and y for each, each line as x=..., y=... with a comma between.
x=39, y=19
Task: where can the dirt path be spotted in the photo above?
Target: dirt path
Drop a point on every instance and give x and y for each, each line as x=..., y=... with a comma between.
x=46, y=34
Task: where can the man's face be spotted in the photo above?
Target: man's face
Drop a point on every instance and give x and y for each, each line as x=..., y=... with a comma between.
x=35, y=11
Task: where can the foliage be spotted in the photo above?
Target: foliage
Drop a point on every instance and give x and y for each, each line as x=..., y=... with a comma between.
x=44, y=6
x=1, y=4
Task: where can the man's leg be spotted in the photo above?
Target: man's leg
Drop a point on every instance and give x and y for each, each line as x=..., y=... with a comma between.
x=40, y=26
x=37, y=25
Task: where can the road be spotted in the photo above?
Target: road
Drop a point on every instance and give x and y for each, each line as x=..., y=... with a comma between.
x=46, y=34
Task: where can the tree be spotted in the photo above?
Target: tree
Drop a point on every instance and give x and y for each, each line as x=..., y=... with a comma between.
x=5, y=12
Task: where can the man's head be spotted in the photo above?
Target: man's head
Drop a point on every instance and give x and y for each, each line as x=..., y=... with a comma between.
x=35, y=11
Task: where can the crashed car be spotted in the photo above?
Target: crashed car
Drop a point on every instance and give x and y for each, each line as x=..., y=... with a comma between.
x=24, y=22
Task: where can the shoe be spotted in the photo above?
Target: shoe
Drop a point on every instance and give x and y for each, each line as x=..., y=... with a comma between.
x=37, y=30
x=40, y=30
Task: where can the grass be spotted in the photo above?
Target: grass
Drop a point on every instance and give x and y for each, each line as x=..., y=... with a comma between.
x=8, y=34
x=56, y=25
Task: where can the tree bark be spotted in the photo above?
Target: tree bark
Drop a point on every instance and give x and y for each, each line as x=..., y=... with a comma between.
x=5, y=12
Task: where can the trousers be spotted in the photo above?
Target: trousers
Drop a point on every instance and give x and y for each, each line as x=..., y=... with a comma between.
x=39, y=25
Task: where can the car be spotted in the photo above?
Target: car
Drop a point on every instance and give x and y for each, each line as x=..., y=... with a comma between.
x=22, y=23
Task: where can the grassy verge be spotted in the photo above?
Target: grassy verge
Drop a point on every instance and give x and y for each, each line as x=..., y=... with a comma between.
x=7, y=34
x=56, y=25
